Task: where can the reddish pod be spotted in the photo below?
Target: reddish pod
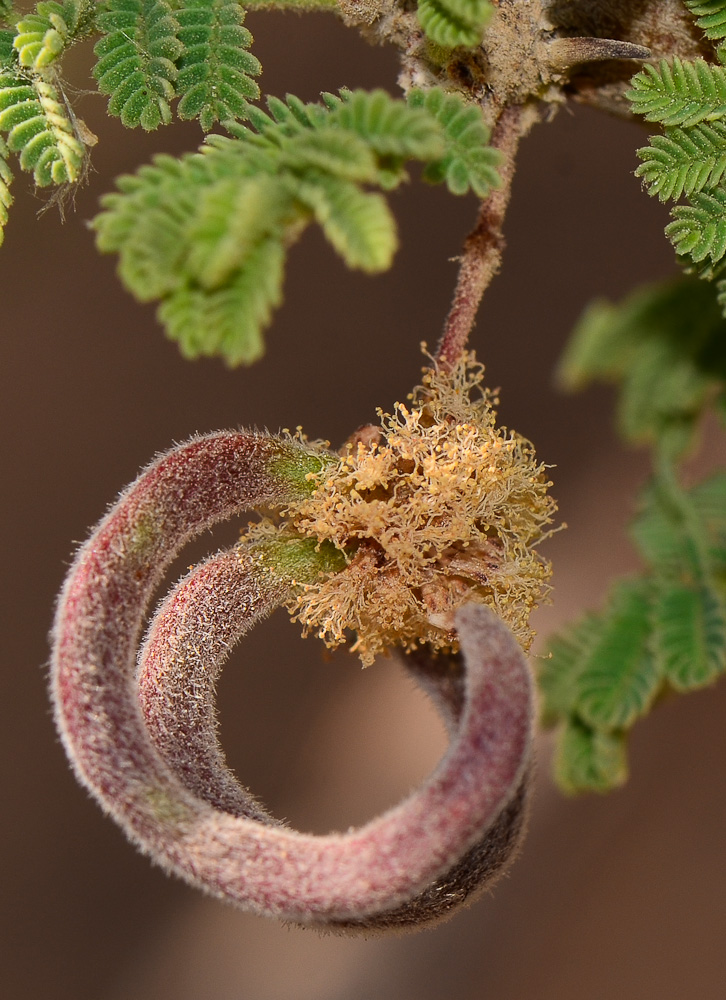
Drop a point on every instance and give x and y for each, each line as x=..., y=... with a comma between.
x=146, y=746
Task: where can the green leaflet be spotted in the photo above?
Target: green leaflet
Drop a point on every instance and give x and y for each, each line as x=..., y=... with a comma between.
x=619, y=677
x=43, y=35
x=601, y=670
x=452, y=23
x=468, y=163
x=137, y=60
x=699, y=229
x=588, y=760
x=684, y=160
x=679, y=93
x=689, y=99
x=358, y=225
x=187, y=231
x=710, y=16
x=665, y=343
x=39, y=130
x=6, y=178
x=558, y=676
x=664, y=540
x=227, y=322
x=664, y=629
x=231, y=219
x=215, y=69
x=689, y=634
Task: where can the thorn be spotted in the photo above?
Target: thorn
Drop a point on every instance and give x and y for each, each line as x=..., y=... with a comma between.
x=565, y=53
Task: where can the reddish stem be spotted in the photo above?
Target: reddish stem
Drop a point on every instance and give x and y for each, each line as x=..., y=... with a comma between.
x=482, y=252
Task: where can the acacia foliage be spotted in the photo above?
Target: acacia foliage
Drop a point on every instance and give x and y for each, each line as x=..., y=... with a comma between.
x=207, y=234
x=665, y=629
x=689, y=159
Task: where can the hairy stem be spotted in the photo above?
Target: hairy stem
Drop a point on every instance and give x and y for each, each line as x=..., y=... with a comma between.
x=483, y=248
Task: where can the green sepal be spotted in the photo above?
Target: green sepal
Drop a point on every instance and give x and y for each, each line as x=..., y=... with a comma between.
x=299, y=560
x=301, y=468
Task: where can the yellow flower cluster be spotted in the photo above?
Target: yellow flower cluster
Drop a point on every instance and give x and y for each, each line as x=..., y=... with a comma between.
x=435, y=508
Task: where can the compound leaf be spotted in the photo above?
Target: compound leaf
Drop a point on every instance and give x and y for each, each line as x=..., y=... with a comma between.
x=710, y=16
x=6, y=178
x=468, y=162
x=452, y=23
x=216, y=71
x=684, y=160
x=558, y=675
x=359, y=225
x=43, y=35
x=137, y=60
x=679, y=93
x=699, y=229
x=665, y=343
x=228, y=320
x=39, y=129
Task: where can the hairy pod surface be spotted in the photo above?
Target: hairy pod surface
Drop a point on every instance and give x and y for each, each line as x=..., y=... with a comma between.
x=146, y=746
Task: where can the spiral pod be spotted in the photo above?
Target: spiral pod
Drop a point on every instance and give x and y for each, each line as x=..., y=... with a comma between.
x=144, y=742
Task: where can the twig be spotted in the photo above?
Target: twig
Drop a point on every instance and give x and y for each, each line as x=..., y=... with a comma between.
x=483, y=248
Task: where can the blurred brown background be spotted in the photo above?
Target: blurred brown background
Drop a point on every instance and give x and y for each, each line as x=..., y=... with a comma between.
x=616, y=897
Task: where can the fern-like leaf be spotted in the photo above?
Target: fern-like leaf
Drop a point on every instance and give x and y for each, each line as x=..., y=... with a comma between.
x=559, y=674
x=216, y=70
x=137, y=60
x=359, y=225
x=679, y=93
x=388, y=126
x=6, y=198
x=39, y=130
x=662, y=540
x=666, y=375
x=43, y=35
x=619, y=678
x=684, y=160
x=699, y=229
x=228, y=321
x=589, y=760
x=186, y=229
x=689, y=631
x=232, y=217
x=710, y=16
x=468, y=163
x=452, y=23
